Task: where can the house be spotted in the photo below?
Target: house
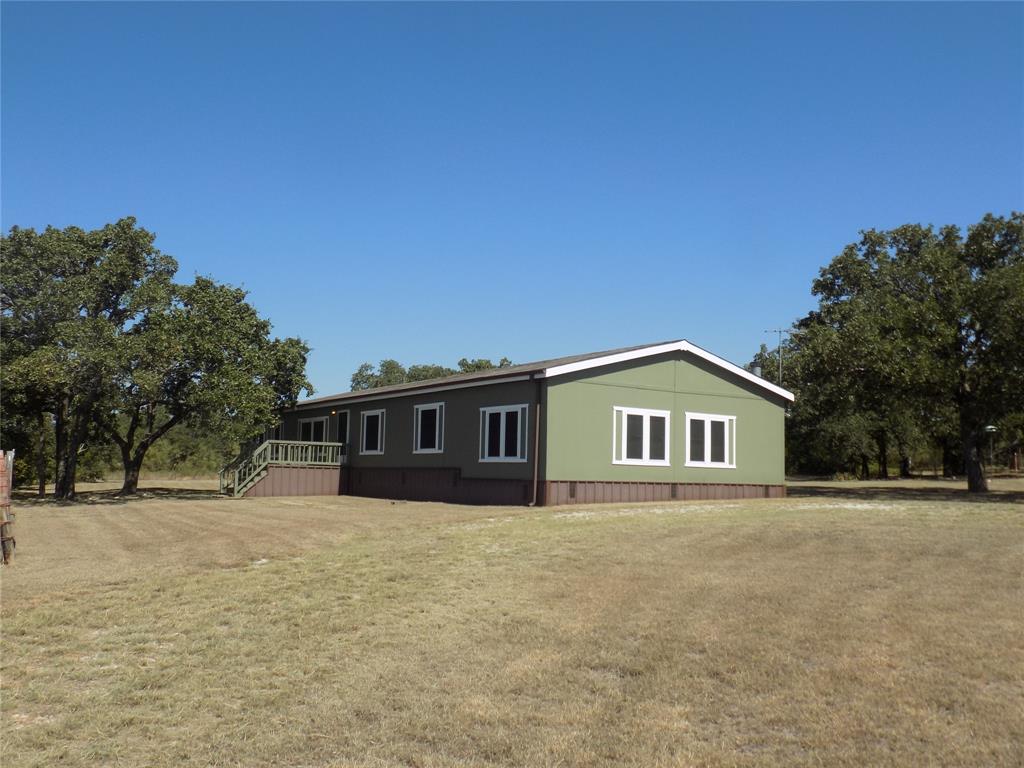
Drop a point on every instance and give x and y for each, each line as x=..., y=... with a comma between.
x=653, y=422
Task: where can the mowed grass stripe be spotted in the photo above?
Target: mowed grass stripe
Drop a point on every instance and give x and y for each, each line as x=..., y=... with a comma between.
x=793, y=633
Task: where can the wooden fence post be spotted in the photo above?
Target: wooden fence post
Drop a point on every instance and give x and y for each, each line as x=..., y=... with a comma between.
x=6, y=518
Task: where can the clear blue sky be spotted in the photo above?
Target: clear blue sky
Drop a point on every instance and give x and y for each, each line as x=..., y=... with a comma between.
x=428, y=182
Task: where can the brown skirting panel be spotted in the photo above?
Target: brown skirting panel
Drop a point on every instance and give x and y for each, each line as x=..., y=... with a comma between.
x=558, y=492
x=435, y=485
x=449, y=485
x=298, y=481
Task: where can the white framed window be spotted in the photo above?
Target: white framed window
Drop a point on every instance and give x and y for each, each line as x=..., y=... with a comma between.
x=503, y=433
x=313, y=430
x=428, y=428
x=641, y=436
x=710, y=440
x=371, y=433
x=272, y=433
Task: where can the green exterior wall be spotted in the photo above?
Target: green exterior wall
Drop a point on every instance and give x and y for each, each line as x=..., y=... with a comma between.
x=579, y=421
x=461, y=429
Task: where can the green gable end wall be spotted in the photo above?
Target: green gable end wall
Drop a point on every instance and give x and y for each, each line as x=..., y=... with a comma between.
x=579, y=421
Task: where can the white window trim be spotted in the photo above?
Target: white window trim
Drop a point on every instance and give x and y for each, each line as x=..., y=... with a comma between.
x=312, y=420
x=620, y=440
x=730, y=440
x=439, y=441
x=382, y=412
x=485, y=426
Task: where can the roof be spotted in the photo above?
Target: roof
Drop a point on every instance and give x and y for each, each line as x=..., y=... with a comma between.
x=548, y=369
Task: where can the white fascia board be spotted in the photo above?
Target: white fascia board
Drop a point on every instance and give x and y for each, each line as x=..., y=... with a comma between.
x=326, y=401
x=621, y=357
x=660, y=349
x=741, y=372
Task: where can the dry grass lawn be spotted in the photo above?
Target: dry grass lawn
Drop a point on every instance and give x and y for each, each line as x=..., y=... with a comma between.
x=825, y=629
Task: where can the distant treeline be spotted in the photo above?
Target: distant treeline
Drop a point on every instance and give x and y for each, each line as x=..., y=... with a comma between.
x=391, y=371
x=186, y=451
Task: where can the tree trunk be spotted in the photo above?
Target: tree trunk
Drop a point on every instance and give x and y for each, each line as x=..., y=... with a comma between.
x=883, y=457
x=904, y=466
x=61, y=480
x=41, y=455
x=70, y=467
x=71, y=435
x=79, y=432
x=976, y=480
x=133, y=460
x=131, y=477
x=951, y=467
x=865, y=471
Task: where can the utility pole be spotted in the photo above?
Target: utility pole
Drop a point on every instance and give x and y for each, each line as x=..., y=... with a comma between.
x=780, y=331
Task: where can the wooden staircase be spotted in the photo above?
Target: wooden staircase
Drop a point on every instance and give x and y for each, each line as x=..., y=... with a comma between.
x=251, y=466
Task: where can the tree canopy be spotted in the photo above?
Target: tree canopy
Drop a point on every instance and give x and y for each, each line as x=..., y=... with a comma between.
x=97, y=333
x=207, y=359
x=917, y=338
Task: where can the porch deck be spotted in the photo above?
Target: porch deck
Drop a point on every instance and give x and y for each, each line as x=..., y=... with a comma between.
x=250, y=467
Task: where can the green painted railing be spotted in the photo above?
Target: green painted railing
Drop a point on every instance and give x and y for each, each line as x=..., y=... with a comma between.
x=237, y=476
x=305, y=454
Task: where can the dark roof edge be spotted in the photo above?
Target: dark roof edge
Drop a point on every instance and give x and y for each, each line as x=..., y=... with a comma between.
x=414, y=388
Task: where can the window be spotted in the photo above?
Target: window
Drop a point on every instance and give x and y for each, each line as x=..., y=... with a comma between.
x=428, y=428
x=503, y=431
x=710, y=440
x=372, y=432
x=640, y=436
x=313, y=430
x=272, y=433
x=342, y=427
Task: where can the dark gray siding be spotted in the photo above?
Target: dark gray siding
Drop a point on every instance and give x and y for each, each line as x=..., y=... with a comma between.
x=461, y=429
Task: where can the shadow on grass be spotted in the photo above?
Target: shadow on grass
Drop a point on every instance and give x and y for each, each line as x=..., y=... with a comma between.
x=111, y=496
x=941, y=491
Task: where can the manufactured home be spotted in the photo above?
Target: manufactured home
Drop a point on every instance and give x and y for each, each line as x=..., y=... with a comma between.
x=654, y=422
